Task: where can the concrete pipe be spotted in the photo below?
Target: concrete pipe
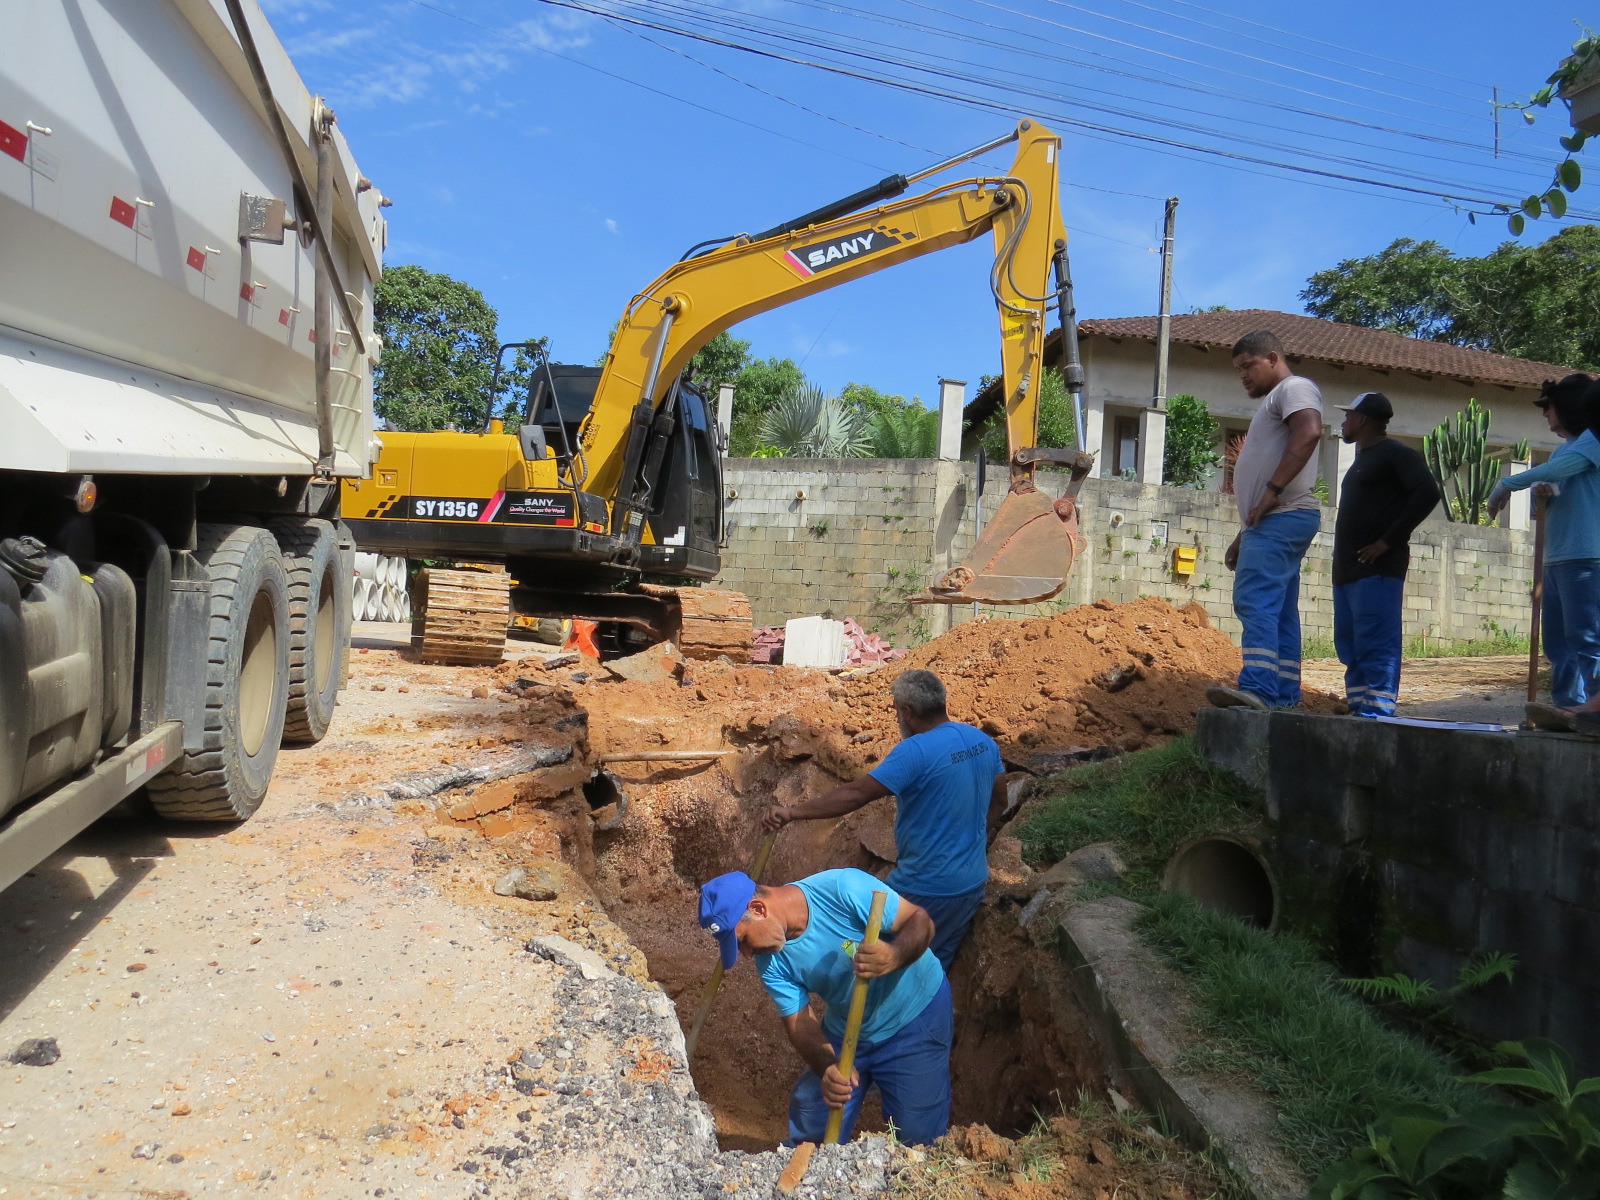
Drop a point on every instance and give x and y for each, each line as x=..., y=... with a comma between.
x=1227, y=873
x=362, y=600
x=367, y=566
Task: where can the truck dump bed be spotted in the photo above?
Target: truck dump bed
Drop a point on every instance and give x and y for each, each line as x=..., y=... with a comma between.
x=140, y=332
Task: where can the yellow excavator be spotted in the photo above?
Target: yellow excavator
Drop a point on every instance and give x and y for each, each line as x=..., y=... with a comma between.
x=607, y=503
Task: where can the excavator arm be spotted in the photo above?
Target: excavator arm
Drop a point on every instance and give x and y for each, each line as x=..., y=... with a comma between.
x=1028, y=547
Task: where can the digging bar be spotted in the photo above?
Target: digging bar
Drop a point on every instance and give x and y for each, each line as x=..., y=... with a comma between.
x=858, y=1008
x=1538, y=598
x=712, y=984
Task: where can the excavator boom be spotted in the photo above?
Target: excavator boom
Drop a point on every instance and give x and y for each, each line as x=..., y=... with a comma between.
x=1028, y=548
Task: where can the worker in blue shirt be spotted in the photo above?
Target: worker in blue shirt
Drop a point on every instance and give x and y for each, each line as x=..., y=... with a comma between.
x=945, y=777
x=1570, y=481
x=806, y=938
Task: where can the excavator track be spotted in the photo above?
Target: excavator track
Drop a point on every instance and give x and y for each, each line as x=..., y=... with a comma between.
x=709, y=622
x=460, y=617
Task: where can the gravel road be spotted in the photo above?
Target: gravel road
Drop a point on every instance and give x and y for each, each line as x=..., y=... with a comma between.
x=331, y=1001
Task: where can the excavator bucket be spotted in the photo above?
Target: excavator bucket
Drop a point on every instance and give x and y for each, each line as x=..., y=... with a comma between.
x=1024, y=555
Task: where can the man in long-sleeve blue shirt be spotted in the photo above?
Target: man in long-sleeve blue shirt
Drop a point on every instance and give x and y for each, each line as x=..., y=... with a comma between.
x=1571, y=615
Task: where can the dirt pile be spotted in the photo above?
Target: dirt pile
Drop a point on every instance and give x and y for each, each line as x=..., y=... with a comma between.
x=1102, y=675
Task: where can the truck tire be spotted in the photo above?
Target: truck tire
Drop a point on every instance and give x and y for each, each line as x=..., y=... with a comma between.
x=247, y=681
x=319, y=625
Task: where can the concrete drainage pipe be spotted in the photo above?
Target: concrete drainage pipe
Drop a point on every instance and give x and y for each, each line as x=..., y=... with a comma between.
x=1227, y=873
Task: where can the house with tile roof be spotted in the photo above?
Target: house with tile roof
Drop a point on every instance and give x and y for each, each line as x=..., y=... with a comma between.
x=1428, y=382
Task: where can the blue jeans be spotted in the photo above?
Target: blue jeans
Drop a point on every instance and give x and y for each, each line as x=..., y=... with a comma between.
x=952, y=920
x=912, y=1071
x=1266, y=599
x=1366, y=633
x=1571, y=624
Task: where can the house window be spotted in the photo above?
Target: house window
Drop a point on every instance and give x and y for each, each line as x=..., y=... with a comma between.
x=1125, y=446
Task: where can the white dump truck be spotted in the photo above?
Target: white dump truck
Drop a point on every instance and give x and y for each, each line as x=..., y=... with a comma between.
x=187, y=262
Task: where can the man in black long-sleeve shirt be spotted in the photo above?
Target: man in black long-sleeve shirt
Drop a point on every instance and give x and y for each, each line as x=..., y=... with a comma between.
x=1385, y=495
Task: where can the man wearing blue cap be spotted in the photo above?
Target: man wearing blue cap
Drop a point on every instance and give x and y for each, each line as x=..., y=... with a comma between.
x=806, y=939
x=944, y=776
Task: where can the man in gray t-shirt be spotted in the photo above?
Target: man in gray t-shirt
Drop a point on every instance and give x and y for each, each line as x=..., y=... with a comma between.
x=1272, y=480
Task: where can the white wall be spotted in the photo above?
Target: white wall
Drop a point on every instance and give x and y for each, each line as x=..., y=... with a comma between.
x=1120, y=373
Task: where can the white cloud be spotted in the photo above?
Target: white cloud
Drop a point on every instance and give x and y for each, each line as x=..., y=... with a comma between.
x=611, y=225
x=564, y=30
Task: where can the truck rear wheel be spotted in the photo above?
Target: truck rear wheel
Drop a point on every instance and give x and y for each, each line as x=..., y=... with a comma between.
x=319, y=625
x=247, y=681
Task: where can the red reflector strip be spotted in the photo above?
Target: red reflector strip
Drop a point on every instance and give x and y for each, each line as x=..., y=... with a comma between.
x=566, y=522
x=13, y=142
x=247, y=293
x=122, y=212
x=283, y=316
x=196, y=258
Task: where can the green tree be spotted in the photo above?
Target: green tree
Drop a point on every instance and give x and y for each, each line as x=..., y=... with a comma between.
x=1192, y=434
x=718, y=362
x=1055, y=417
x=439, y=342
x=755, y=393
x=1540, y=302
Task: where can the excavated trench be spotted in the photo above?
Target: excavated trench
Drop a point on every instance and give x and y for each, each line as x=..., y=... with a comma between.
x=1022, y=1045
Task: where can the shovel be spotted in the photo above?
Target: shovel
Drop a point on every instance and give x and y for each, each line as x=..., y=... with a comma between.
x=858, y=1008
x=712, y=984
x=1026, y=551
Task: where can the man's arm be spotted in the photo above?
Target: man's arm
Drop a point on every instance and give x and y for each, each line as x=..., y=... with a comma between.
x=840, y=802
x=1305, y=431
x=812, y=1045
x=1422, y=496
x=999, y=795
x=899, y=945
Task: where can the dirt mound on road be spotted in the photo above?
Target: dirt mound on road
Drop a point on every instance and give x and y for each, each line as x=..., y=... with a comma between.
x=1101, y=675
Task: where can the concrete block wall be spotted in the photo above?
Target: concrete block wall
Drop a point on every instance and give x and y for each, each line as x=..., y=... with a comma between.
x=1418, y=850
x=869, y=532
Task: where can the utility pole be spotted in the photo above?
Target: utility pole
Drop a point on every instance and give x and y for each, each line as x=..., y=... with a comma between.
x=1152, y=441
x=1164, y=324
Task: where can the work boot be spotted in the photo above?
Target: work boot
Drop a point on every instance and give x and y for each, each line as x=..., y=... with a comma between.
x=1227, y=697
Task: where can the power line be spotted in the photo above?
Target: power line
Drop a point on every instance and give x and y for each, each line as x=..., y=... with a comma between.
x=1188, y=110
x=1448, y=190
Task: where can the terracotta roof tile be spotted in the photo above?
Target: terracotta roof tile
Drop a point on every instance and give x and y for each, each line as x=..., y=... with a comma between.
x=1331, y=341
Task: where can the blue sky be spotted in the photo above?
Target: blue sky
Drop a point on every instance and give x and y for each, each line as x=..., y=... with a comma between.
x=559, y=160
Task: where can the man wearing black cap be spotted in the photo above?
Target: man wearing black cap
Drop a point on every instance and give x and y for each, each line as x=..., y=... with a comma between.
x=1386, y=494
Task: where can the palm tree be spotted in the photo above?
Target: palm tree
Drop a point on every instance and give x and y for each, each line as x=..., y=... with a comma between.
x=909, y=432
x=806, y=422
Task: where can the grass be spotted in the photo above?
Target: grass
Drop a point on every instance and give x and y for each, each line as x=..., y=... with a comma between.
x=1497, y=641
x=1274, y=1012
x=1148, y=803
x=1268, y=1008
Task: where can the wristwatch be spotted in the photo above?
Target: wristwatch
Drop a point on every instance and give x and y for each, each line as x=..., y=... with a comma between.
x=1275, y=488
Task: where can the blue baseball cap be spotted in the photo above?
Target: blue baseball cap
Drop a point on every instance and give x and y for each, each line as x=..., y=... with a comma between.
x=722, y=905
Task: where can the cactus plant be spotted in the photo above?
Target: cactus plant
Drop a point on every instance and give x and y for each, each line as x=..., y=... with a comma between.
x=1458, y=455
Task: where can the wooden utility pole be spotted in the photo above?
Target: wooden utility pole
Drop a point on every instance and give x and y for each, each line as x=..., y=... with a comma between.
x=1164, y=325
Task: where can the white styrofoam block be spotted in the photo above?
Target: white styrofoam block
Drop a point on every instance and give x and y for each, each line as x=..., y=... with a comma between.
x=813, y=642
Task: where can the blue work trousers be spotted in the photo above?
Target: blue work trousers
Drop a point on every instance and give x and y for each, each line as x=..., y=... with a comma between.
x=912, y=1070
x=952, y=920
x=1366, y=633
x=1571, y=624
x=1266, y=599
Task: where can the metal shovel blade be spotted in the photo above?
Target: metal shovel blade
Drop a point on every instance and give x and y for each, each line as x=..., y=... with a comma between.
x=1025, y=554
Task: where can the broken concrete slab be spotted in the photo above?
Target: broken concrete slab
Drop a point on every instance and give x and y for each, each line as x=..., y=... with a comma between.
x=1098, y=862
x=661, y=663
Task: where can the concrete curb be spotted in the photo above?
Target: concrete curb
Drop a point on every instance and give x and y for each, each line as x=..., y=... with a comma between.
x=1142, y=1015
